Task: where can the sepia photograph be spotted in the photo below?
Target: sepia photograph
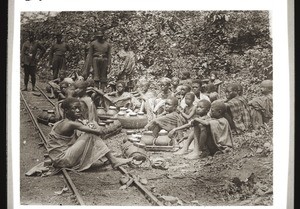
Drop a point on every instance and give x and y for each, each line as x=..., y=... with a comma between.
x=149, y=107
x=154, y=107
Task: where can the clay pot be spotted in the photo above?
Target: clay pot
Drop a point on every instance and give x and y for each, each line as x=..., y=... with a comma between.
x=112, y=111
x=122, y=111
x=133, y=121
x=51, y=116
x=133, y=139
x=44, y=115
x=121, y=114
x=101, y=111
x=130, y=132
x=129, y=111
x=130, y=150
x=141, y=113
x=102, y=124
x=162, y=139
x=147, y=138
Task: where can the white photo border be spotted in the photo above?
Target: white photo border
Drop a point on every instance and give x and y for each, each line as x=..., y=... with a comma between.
x=281, y=74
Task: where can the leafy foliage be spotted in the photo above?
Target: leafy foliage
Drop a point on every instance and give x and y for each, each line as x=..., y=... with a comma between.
x=167, y=42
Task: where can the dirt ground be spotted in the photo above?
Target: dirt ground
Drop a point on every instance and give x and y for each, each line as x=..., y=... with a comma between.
x=193, y=182
x=241, y=177
x=37, y=190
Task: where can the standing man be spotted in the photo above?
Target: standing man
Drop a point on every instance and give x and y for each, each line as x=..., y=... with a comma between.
x=100, y=58
x=127, y=67
x=57, y=60
x=29, y=59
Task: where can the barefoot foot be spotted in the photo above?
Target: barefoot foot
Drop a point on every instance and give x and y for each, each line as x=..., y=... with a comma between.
x=192, y=156
x=181, y=152
x=120, y=161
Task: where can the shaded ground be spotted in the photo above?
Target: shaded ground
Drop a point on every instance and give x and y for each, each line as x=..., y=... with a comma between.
x=242, y=177
x=37, y=190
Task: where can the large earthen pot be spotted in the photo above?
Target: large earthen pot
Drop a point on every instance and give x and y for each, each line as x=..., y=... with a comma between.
x=102, y=114
x=133, y=121
x=112, y=110
x=122, y=111
x=147, y=138
x=101, y=111
x=163, y=139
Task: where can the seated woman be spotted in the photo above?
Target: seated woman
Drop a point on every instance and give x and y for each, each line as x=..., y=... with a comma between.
x=120, y=98
x=67, y=150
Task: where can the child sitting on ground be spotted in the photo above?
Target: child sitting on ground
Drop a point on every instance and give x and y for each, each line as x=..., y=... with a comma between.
x=167, y=121
x=237, y=111
x=202, y=109
x=189, y=111
x=212, y=134
x=261, y=108
x=67, y=150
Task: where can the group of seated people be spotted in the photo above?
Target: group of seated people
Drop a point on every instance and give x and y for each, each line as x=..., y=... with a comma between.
x=178, y=105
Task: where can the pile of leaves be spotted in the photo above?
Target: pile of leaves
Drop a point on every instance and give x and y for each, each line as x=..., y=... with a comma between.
x=165, y=42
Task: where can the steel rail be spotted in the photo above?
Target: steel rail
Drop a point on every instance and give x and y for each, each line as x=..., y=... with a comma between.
x=65, y=173
x=142, y=189
x=149, y=196
x=43, y=93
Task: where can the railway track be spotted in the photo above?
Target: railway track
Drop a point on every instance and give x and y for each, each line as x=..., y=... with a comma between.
x=100, y=185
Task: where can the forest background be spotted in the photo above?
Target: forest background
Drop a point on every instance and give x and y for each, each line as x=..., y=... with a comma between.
x=236, y=44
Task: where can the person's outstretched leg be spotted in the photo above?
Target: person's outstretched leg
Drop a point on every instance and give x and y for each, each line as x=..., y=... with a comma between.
x=116, y=162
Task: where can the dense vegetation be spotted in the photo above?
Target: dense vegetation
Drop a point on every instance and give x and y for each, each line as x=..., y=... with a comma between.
x=166, y=43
